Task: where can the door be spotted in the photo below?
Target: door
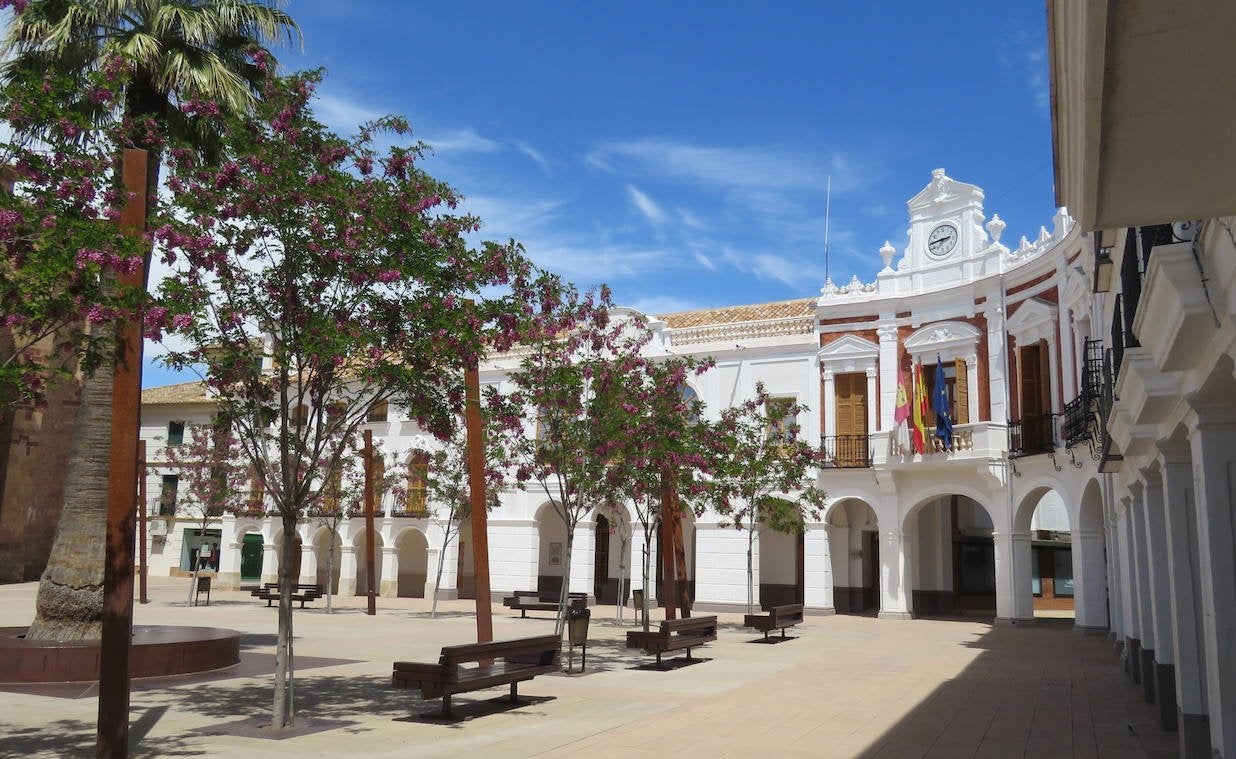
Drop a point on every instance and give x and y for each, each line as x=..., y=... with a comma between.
x=851, y=419
x=1035, y=397
x=251, y=557
x=600, y=566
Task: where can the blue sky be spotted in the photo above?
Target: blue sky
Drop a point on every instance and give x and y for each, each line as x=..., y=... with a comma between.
x=680, y=151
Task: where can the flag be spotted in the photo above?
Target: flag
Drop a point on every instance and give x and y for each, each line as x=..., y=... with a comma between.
x=901, y=415
x=919, y=409
x=940, y=405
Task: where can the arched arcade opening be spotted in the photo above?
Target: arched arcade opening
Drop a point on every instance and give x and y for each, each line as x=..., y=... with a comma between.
x=854, y=548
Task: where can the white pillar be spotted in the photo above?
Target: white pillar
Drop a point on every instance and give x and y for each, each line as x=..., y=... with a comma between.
x=871, y=400
x=583, y=553
x=1160, y=597
x=1145, y=617
x=1090, y=580
x=830, y=404
x=347, y=570
x=818, y=572
x=1186, y=613
x=388, y=571
x=1214, y=462
x=839, y=555
x=308, y=561
x=888, y=374
x=229, y=555
x=270, y=562
x=1013, y=557
x=1128, y=579
x=896, y=575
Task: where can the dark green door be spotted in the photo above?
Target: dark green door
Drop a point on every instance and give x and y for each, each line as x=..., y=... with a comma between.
x=251, y=557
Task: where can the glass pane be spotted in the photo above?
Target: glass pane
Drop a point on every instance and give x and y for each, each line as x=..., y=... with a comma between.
x=978, y=568
x=1036, y=580
x=1064, y=572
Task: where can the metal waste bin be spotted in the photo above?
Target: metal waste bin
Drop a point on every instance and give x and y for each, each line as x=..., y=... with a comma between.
x=577, y=634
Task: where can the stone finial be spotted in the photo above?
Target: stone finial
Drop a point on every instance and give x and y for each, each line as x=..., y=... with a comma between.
x=995, y=228
x=1044, y=235
x=886, y=252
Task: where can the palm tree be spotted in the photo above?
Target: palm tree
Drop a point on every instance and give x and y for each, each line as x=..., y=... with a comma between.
x=179, y=50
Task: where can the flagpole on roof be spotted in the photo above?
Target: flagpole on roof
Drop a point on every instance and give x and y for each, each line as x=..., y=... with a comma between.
x=828, y=199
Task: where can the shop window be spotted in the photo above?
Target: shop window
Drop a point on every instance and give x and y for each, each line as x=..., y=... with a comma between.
x=1063, y=561
x=1036, y=581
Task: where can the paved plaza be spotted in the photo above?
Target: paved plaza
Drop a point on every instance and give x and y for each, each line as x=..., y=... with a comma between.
x=843, y=686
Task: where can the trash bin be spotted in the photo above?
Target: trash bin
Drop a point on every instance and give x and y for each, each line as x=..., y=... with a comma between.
x=638, y=599
x=577, y=634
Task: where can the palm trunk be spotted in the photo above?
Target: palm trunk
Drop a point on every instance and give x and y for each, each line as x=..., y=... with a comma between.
x=69, y=605
x=283, y=714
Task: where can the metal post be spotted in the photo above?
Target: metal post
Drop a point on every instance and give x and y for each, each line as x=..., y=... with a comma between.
x=476, y=490
x=112, y=736
x=370, y=579
x=141, y=516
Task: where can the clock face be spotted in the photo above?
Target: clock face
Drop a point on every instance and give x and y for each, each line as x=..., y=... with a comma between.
x=942, y=240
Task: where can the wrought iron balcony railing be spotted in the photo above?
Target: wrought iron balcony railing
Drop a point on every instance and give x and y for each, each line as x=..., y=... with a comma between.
x=848, y=451
x=1032, y=434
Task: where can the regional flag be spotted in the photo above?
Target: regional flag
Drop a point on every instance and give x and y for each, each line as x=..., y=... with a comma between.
x=919, y=410
x=901, y=414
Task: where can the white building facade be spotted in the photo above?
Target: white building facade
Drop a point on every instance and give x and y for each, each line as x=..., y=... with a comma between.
x=1007, y=519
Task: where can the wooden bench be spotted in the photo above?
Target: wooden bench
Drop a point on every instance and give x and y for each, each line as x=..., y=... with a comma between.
x=300, y=592
x=529, y=600
x=498, y=663
x=675, y=635
x=783, y=616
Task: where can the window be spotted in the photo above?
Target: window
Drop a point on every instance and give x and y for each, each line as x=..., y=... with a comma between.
x=782, y=424
x=377, y=412
x=175, y=433
x=300, y=415
x=257, y=493
x=956, y=378
x=1063, y=561
x=418, y=482
x=332, y=493
x=167, y=495
x=978, y=568
x=1034, y=393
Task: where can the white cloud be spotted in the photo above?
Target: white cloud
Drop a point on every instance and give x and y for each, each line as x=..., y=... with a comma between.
x=658, y=305
x=796, y=273
x=647, y=206
x=537, y=156
x=464, y=140
x=689, y=219
x=342, y=116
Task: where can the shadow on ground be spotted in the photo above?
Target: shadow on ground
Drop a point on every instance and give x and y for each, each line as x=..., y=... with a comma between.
x=76, y=738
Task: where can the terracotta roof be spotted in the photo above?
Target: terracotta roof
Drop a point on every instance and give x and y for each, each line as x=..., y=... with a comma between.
x=785, y=309
x=185, y=392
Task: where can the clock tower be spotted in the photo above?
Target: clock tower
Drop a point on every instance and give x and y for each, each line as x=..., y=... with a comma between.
x=946, y=224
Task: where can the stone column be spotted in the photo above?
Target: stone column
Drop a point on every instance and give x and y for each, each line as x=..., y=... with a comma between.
x=818, y=572
x=229, y=555
x=1145, y=592
x=1091, y=588
x=830, y=405
x=347, y=570
x=871, y=402
x=1132, y=622
x=1160, y=597
x=888, y=374
x=582, y=555
x=1213, y=441
x=1188, y=654
x=1013, y=557
x=896, y=575
x=839, y=556
x=308, y=559
x=388, y=571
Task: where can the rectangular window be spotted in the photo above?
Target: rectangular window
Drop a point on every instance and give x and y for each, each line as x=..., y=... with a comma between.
x=950, y=380
x=1034, y=394
x=377, y=412
x=175, y=433
x=1063, y=560
x=781, y=423
x=1036, y=579
x=167, y=495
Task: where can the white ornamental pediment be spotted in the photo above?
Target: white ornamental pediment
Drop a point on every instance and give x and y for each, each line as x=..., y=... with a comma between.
x=849, y=346
x=1032, y=321
x=942, y=337
x=943, y=190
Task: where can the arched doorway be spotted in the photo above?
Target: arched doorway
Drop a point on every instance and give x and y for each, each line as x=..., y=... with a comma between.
x=329, y=562
x=360, y=546
x=1047, y=576
x=854, y=547
x=953, y=557
x=551, y=551
x=252, y=549
x=412, y=550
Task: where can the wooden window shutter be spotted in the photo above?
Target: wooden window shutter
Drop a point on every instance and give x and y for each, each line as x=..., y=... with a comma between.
x=1028, y=378
x=1044, y=378
x=858, y=399
x=961, y=414
x=844, y=405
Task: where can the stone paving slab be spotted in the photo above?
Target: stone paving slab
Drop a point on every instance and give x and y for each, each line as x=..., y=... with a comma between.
x=846, y=686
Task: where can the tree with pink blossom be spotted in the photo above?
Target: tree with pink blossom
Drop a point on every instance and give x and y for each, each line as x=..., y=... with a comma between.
x=316, y=276
x=762, y=475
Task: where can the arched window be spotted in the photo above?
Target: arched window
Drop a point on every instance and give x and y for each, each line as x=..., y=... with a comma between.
x=418, y=483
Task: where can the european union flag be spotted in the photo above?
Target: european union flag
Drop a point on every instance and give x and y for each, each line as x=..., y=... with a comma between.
x=939, y=404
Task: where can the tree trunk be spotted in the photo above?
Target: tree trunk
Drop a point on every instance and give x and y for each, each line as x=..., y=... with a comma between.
x=330, y=574
x=69, y=605
x=560, y=623
x=437, y=582
x=750, y=573
x=620, y=603
x=283, y=714
x=193, y=578
x=647, y=577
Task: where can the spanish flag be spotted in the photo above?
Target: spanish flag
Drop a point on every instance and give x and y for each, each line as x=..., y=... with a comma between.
x=919, y=410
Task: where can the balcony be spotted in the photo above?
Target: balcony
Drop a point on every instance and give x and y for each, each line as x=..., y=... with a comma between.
x=971, y=442
x=848, y=452
x=1032, y=435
